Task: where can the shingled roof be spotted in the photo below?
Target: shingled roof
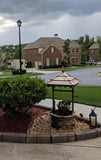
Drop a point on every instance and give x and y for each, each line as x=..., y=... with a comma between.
x=94, y=46
x=63, y=79
x=73, y=44
x=44, y=42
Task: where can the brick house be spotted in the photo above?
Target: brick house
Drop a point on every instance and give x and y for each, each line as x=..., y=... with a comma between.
x=49, y=51
x=75, y=53
x=93, y=52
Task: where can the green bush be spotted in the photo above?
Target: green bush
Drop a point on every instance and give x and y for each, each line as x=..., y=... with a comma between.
x=40, y=66
x=29, y=65
x=18, y=95
x=17, y=72
x=52, y=66
x=78, y=65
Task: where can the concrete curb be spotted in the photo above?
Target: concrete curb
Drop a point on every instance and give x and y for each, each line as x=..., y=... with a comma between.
x=53, y=138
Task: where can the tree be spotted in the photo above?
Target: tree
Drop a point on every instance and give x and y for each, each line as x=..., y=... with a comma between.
x=13, y=55
x=99, y=50
x=66, y=50
x=3, y=64
x=85, y=42
x=98, y=39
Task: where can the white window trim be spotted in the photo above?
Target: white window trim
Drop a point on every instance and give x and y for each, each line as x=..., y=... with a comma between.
x=52, y=49
x=47, y=62
x=57, y=61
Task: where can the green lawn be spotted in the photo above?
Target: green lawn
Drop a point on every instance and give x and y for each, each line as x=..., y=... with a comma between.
x=70, y=68
x=9, y=73
x=83, y=94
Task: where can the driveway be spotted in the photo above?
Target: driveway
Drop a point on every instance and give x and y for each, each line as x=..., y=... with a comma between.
x=81, y=150
x=86, y=76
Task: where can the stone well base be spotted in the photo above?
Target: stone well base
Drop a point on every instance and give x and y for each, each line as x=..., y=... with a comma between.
x=63, y=121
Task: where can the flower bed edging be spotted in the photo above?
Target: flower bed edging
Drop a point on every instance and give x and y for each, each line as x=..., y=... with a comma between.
x=54, y=138
x=57, y=138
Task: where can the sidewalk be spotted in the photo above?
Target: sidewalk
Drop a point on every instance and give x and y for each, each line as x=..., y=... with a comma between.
x=79, y=108
x=40, y=71
x=81, y=150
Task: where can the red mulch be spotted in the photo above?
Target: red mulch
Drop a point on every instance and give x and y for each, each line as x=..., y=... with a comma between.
x=18, y=123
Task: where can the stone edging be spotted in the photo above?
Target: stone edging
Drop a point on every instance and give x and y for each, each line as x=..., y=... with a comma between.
x=53, y=138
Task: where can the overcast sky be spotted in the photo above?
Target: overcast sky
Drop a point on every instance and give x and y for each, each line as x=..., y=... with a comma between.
x=44, y=18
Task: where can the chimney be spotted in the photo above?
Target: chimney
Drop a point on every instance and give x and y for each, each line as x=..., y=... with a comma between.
x=55, y=35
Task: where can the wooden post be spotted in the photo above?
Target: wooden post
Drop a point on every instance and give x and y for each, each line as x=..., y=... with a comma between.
x=53, y=109
x=72, y=99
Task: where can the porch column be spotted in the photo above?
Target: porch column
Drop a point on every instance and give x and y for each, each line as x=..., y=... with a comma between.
x=72, y=98
x=53, y=109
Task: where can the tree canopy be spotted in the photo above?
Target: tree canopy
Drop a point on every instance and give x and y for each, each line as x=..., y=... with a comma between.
x=66, y=50
x=85, y=42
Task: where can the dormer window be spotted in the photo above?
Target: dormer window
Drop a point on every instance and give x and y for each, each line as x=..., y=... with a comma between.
x=52, y=49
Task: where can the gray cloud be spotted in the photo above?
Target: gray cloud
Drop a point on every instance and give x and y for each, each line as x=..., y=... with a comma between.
x=48, y=8
x=68, y=18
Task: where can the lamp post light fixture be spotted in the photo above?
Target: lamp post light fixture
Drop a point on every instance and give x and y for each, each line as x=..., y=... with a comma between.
x=19, y=25
x=93, y=118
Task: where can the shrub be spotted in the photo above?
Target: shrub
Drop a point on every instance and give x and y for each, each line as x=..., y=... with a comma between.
x=79, y=65
x=18, y=95
x=17, y=72
x=40, y=66
x=52, y=66
x=23, y=71
x=29, y=65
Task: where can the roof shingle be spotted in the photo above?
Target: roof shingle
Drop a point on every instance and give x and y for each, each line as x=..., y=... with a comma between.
x=94, y=46
x=63, y=79
x=44, y=42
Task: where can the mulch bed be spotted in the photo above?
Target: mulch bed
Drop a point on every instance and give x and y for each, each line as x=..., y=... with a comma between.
x=18, y=123
x=39, y=122
x=42, y=125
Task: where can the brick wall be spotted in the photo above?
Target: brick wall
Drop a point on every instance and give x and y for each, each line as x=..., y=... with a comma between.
x=32, y=55
x=52, y=56
x=93, y=54
x=75, y=53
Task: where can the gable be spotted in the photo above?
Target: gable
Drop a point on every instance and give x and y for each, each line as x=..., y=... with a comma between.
x=51, y=47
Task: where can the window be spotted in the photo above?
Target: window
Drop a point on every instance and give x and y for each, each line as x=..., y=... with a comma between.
x=92, y=50
x=73, y=59
x=9, y=63
x=40, y=63
x=39, y=50
x=47, y=61
x=52, y=49
x=72, y=50
x=77, y=50
x=57, y=61
x=77, y=60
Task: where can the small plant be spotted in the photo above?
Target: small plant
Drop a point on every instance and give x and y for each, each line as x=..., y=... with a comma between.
x=64, y=107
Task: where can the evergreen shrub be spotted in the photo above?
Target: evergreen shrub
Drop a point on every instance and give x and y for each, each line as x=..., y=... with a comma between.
x=18, y=95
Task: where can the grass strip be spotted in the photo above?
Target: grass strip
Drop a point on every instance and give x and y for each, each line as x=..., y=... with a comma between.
x=83, y=94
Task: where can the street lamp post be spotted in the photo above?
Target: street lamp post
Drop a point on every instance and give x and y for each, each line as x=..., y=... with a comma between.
x=19, y=25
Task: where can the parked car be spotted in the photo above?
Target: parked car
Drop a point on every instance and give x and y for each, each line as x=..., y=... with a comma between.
x=98, y=63
x=91, y=62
